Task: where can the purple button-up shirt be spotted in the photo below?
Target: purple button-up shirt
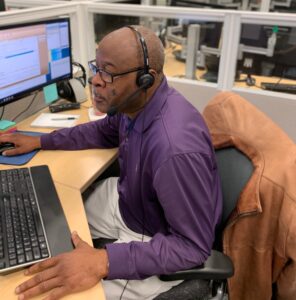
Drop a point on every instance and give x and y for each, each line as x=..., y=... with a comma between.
x=168, y=187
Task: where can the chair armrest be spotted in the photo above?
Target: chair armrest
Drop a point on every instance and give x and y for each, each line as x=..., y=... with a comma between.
x=218, y=266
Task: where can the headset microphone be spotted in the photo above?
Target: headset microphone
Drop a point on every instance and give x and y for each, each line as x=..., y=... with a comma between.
x=113, y=110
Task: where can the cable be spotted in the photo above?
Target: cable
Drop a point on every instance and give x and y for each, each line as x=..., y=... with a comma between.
x=34, y=97
x=2, y=113
x=120, y=298
x=140, y=170
x=140, y=186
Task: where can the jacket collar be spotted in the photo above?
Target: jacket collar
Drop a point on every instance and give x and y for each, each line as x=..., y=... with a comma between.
x=231, y=123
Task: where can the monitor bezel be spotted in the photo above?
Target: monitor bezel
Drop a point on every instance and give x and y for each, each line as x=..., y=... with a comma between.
x=10, y=99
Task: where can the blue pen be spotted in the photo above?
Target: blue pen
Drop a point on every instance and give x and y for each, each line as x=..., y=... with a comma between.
x=63, y=119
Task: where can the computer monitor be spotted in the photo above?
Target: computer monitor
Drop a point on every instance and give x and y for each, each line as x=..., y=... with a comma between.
x=33, y=55
x=210, y=33
x=254, y=35
x=2, y=5
x=285, y=53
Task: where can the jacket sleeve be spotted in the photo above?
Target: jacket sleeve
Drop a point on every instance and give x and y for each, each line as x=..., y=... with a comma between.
x=98, y=134
x=286, y=283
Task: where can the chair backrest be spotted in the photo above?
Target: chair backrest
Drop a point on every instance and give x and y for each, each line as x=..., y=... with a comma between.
x=234, y=169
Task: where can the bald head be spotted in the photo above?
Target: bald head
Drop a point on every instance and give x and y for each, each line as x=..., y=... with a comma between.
x=126, y=46
x=120, y=61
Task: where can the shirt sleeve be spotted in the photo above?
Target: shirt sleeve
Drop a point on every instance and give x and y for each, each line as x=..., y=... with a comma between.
x=188, y=190
x=98, y=134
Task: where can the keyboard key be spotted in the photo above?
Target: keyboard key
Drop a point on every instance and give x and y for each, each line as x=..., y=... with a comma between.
x=29, y=256
x=12, y=256
x=21, y=259
x=43, y=246
x=34, y=244
x=20, y=251
x=11, y=250
x=44, y=253
x=12, y=262
x=36, y=253
x=37, y=222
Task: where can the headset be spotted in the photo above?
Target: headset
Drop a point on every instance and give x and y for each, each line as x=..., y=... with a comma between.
x=144, y=78
x=67, y=89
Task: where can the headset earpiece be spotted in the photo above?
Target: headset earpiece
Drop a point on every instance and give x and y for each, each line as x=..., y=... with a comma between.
x=81, y=78
x=65, y=90
x=144, y=80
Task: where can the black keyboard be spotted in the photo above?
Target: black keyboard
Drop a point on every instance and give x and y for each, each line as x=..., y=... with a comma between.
x=22, y=237
x=279, y=87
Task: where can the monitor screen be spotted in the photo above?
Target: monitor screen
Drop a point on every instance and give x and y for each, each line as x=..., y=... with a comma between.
x=2, y=5
x=254, y=35
x=285, y=52
x=33, y=55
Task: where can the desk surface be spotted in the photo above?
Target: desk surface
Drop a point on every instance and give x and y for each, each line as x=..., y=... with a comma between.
x=72, y=172
x=76, y=169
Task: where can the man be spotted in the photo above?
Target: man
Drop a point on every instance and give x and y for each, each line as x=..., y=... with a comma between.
x=164, y=207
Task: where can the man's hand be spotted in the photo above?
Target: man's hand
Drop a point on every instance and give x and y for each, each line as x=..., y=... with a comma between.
x=23, y=143
x=67, y=273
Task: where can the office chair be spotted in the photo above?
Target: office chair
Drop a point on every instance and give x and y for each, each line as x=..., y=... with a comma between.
x=209, y=280
x=234, y=169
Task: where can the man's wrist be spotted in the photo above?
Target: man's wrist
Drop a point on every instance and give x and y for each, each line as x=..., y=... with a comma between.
x=104, y=263
x=38, y=142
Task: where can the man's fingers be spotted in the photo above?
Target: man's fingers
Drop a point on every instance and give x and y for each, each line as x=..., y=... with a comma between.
x=9, y=137
x=11, y=152
x=48, y=263
x=39, y=289
x=36, y=280
x=57, y=293
x=77, y=241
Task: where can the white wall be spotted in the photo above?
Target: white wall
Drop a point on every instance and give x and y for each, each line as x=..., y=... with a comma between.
x=281, y=110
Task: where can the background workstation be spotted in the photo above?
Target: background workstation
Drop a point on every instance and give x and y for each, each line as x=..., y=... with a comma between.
x=257, y=45
x=227, y=48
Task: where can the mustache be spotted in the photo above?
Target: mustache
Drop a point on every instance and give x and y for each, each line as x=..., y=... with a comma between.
x=95, y=94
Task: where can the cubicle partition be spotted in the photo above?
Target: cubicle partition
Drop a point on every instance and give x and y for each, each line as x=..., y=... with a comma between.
x=231, y=57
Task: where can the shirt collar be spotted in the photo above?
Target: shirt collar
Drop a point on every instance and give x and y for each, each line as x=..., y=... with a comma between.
x=152, y=108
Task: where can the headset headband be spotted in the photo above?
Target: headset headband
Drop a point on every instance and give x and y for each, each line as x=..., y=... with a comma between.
x=144, y=49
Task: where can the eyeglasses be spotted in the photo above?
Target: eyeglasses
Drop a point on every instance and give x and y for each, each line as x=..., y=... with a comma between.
x=106, y=76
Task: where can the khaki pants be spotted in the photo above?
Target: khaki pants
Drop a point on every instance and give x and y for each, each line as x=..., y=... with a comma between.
x=105, y=222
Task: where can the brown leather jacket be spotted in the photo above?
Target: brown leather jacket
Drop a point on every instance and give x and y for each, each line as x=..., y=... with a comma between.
x=260, y=236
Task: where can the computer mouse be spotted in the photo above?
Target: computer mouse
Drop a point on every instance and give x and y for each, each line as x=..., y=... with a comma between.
x=6, y=146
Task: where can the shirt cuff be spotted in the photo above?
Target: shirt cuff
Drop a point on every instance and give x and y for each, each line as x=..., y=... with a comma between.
x=119, y=261
x=46, y=142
